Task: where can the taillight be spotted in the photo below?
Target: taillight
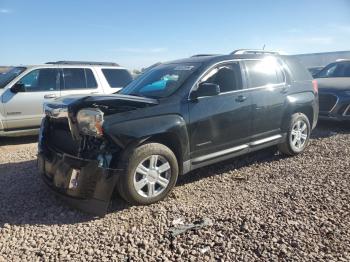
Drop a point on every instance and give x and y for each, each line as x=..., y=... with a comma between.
x=315, y=86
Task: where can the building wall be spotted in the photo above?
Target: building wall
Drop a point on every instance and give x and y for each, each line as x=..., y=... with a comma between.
x=321, y=59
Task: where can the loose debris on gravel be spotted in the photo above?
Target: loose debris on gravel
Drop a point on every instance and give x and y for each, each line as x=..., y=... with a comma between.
x=262, y=207
x=183, y=228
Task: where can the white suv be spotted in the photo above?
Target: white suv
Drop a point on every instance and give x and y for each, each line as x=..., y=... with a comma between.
x=24, y=90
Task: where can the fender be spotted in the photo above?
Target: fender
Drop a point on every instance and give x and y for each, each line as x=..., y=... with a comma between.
x=139, y=130
x=304, y=102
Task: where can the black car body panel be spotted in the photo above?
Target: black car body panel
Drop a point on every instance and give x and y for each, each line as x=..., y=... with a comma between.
x=305, y=101
x=199, y=131
x=128, y=133
x=110, y=104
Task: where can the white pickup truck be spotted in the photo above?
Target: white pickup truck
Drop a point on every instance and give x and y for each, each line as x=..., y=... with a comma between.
x=24, y=90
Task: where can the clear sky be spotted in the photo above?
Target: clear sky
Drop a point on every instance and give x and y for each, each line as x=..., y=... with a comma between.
x=137, y=33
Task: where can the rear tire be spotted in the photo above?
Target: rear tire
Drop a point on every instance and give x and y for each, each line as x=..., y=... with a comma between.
x=298, y=135
x=150, y=172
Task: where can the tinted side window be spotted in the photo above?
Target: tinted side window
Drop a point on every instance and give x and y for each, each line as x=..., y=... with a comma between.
x=263, y=72
x=117, y=77
x=299, y=72
x=40, y=80
x=78, y=78
x=228, y=77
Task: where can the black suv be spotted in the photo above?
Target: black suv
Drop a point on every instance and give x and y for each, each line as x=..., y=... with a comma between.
x=175, y=118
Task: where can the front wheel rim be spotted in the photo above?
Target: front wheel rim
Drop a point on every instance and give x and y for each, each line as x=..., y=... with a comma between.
x=299, y=135
x=152, y=176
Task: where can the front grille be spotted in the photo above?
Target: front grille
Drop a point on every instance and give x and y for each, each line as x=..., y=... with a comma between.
x=60, y=136
x=327, y=102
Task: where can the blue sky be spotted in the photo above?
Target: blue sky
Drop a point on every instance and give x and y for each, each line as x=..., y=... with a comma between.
x=137, y=33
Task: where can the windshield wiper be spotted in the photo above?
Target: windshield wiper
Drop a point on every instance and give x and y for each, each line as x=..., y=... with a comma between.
x=140, y=95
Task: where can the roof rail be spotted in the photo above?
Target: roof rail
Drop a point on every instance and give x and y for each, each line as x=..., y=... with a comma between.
x=199, y=55
x=83, y=63
x=253, y=52
x=343, y=60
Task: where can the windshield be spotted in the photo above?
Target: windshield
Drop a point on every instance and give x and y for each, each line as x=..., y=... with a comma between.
x=160, y=81
x=335, y=70
x=8, y=76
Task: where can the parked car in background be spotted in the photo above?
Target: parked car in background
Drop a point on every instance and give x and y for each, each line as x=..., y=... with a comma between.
x=176, y=117
x=315, y=70
x=334, y=91
x=4, y=69
x=24, y=89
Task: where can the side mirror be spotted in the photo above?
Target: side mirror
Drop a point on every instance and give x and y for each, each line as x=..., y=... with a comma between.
x=205, y=89
x=18, y=87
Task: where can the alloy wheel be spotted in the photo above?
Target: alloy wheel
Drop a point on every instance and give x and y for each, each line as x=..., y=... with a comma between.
x=299, y=135
x=152, y=176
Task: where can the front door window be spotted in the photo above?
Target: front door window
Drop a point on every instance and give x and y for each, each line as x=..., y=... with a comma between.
x=40, y=80
x=228, y=77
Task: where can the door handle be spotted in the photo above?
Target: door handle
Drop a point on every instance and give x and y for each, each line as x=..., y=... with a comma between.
x=48, y=96
x=241, y=98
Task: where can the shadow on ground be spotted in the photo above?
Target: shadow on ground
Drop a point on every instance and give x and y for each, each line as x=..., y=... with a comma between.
x=265, y=155
x=7, y=141
x=324, y=129
x=330, y=128
x=25, y=199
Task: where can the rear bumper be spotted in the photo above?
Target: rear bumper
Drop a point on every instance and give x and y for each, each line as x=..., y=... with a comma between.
x=89, y=189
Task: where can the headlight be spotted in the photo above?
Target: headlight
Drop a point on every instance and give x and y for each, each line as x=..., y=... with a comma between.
x=90, y=122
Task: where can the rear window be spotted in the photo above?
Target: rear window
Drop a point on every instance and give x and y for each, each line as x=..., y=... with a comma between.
x=264, y=72
x=299, y=72
x=78, y=78
x=117, y=77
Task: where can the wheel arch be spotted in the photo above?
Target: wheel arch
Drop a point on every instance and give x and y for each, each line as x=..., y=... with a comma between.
x=173, y=142
x=299, y=103
x=306, y=110
x=169, y=130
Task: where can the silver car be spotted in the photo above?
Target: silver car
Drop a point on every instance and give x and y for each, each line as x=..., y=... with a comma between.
x=24, y=90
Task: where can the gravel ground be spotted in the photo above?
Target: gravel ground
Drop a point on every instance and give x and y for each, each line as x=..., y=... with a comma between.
x=263, y=207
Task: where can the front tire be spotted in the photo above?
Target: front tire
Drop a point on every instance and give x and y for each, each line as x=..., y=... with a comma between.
x=151, y=171
x=298, y=135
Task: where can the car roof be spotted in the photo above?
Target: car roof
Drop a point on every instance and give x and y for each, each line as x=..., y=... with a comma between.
x=70, y=65
x=209, y=59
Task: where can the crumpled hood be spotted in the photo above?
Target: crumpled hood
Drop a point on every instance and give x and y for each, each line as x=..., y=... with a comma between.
x=109, y=104
x=333, y=84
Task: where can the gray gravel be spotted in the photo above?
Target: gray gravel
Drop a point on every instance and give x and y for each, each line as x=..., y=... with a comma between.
x=263, y=207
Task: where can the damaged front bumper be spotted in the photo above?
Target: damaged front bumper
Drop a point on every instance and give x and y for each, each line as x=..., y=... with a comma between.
x=80, y=182
x=87, y=184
